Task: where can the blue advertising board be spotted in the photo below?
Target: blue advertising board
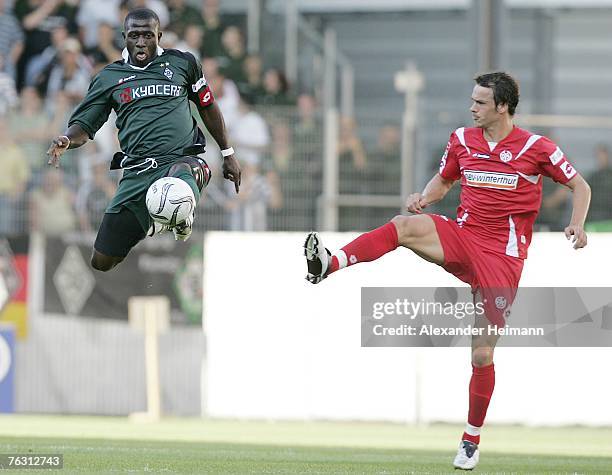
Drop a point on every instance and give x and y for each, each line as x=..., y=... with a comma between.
x=7, y=369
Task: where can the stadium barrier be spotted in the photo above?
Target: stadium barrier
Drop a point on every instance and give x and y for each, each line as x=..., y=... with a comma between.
x=284, y=349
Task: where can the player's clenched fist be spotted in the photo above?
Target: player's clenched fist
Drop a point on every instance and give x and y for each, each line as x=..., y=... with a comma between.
x=577, y=235
x=58, y=147
x=415, y=203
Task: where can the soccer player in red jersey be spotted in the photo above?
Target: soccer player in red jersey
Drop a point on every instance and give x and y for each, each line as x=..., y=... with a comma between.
x=500, y=167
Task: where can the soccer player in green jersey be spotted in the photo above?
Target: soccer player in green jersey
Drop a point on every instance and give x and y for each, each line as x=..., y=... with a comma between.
x=150, y=90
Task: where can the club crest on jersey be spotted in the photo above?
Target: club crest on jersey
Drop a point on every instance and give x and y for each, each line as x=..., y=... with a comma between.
x=505, y=156
x=168, y=73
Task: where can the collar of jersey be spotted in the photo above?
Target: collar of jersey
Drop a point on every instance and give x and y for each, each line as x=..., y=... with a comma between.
x=126, y=57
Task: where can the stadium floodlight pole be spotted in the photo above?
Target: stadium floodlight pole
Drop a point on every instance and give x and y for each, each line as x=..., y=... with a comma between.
x=254, y=10
x=347, y=91
x=291, y=40
x=409, y=81
x=329, y=202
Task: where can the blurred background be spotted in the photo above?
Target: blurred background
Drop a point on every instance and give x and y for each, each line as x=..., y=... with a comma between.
x=337, y=110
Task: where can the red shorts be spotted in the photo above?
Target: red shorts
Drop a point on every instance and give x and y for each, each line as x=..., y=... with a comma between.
x=493, y=275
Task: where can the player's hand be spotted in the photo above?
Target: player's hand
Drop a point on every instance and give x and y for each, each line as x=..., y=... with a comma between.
x=415, y=203
x=577, y=236
x=231, y=171
x=58, y=147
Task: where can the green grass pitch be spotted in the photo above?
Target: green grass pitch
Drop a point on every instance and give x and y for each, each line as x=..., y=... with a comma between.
x=117, y=445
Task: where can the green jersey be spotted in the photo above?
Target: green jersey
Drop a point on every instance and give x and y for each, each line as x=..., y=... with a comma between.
x=152, y=105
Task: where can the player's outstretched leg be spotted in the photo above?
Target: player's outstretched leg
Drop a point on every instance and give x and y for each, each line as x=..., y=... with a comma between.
x=196, y=173
x=118, y=234
x=481, y=388
x=417, y=233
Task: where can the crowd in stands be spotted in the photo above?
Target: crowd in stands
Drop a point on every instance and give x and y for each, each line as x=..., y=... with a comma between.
x=51, y=49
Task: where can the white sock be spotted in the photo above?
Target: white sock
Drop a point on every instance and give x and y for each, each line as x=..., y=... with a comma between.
x=472, y=430
x=342, y=260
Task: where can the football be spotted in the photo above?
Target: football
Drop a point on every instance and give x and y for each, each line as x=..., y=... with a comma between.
x=170, y=201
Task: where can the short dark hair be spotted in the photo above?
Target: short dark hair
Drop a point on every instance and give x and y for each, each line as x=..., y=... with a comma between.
x=141, y=14
x=505, y=88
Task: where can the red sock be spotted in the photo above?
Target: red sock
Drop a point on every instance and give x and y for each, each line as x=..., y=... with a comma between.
x=481, y=390
x=367, y=247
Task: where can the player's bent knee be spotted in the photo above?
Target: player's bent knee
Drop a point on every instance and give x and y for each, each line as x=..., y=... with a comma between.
x=482, y=356
x=410, y=228
x=104, y=263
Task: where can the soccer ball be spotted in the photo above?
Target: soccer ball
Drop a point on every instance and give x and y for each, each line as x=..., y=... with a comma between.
x=170, y=201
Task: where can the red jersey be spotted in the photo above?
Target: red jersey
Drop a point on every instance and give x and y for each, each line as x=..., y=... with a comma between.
x=501, y=189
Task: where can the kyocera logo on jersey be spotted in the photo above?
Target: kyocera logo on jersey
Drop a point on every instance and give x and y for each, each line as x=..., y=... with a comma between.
x=556, y=156
x=567, y=169
x=131, y=93
x=499, y=181
x=505, y=156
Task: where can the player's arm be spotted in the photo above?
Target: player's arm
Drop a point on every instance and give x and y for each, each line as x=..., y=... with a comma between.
x=213, y=120
x=73, y=137
x=201, y=95
x=581, y=197
x=434, y=191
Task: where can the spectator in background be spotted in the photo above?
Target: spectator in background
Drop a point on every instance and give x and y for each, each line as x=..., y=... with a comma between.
x=52, y=205
x=92, y=14
x=94, y=194
x=212, y=47
x=105, y=51
x=11, y=39
x=183, y=15
x=169, y=41
x=253, y=82
x=40, y=66
x=13, y=181
x=601, y=186
x=8, y=94
x=29, y=127
x=192, y=40
x=384, y=164
x=232, y=63
x=307, y=131
x=38, y=19
x=276, y=89
x=72, y=75
x=351, y=157
x=250, y=136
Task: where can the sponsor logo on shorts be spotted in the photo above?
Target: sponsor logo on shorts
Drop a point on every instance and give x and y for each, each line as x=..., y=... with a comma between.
x=567, y=169
x=500, y=302
x=500, y=181
x=556, y=156
x=505, y=156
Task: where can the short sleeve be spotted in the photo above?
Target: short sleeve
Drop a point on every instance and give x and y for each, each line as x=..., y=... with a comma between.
x=553, y=163
x=449, y=164
x=93, y=112
x=199, y=91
